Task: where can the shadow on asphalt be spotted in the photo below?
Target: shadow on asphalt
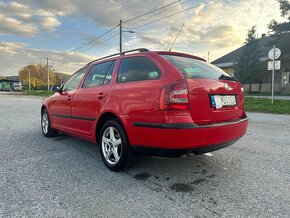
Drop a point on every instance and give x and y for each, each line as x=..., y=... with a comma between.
x=182, y=175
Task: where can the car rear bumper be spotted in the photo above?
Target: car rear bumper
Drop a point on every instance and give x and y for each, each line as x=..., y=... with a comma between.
x=187, y=136
x=163, y=152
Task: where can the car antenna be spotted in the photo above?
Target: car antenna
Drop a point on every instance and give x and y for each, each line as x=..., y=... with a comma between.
x=176, y=37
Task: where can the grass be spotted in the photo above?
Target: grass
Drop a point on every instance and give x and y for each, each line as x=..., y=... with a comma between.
x=251, y=104
x=265, y=105
x=39, y=92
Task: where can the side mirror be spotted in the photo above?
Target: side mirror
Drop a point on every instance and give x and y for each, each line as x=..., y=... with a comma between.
x=55, y=88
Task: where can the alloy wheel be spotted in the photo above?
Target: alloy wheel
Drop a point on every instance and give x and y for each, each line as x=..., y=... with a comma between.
x=44, y=123
x=111, y=145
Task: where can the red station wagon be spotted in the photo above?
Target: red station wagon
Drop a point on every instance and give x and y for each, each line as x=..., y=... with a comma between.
x=149, y=102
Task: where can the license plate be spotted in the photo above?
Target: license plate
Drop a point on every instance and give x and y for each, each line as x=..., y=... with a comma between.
x=218, y=101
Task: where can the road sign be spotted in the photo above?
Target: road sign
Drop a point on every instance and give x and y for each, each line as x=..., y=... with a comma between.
x=277, y=53
x=277, y=65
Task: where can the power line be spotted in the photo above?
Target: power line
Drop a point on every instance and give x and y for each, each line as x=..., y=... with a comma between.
x=206, y=2
x=127, y=40
x=161, y=12
x=113, y=36
x=98, y=37
x=94, y=39
x=144, y=37
x=134, y=18
x=110, y=30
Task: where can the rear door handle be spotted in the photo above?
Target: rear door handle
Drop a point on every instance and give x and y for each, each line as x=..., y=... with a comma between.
x=101, y=95
x=69, y=98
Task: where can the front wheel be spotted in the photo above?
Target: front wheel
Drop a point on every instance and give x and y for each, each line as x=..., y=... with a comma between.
x=45, y=125
x=114, y=146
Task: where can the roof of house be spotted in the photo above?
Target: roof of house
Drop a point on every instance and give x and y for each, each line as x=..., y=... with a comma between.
x=8, y=80
x=230, y=59
x=14, y=78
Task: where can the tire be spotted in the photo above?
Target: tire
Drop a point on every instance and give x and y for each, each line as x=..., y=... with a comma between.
x=114, y=146
x=45, y=125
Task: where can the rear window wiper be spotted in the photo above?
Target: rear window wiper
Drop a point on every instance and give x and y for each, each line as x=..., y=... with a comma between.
x=224, y=77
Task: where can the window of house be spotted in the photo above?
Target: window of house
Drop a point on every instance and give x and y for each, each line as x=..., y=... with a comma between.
x=137, y=69
x=99, y=74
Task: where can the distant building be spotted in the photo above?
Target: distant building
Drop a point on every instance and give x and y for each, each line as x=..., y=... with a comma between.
x=10, y=84
x=228, y=62
x=14, y=78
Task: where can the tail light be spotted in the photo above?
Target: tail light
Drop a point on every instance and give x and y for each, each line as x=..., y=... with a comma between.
x=174, y=97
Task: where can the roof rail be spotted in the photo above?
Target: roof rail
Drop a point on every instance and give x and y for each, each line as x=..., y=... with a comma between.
x=122, y=53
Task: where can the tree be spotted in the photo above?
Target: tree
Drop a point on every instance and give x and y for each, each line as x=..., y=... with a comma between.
x=38, y=76
x=285, y=8
x=281, y=33
x=248, y=67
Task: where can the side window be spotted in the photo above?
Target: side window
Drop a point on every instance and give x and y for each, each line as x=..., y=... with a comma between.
x=99, y=74
x=74, y=80
x=137, y=69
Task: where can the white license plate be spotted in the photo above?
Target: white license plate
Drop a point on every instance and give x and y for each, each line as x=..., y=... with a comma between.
x=218, y=101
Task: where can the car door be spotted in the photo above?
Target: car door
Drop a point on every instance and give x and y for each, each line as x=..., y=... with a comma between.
x=61, y=106
x=91, y=96
x=138, y=86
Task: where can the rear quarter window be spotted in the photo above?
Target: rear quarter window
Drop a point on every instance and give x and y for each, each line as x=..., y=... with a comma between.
x=99, y=74
x=191, y=68
x=137, y=69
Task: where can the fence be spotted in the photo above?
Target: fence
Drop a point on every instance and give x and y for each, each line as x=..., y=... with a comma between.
x=267, y=88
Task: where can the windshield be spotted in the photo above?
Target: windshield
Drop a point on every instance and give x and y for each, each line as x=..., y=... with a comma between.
x=192, y=68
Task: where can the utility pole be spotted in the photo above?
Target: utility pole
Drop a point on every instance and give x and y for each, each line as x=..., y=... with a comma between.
x=61, y=79
x=29, y=83
x=47, y=74
x=120, y=36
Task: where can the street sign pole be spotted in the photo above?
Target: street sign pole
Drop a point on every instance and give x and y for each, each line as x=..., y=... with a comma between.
x=273, y=73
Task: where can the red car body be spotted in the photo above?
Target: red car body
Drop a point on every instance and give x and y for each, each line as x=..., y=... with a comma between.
x=169, y=115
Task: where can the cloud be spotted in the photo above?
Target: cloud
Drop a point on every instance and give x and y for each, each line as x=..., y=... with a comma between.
x=63, y=7
x=49, y=23
x=22, y=20
x=218, y=27
x=15, y=27
x=103, y=12
x=18, y=54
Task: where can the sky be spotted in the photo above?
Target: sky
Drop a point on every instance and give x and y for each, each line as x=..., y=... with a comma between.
x=32, y=30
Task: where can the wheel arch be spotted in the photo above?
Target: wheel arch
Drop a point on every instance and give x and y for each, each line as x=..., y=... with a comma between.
x=43, y=107
x=103, y=119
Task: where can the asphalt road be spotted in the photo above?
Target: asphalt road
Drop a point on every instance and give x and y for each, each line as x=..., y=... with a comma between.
x=65, y=176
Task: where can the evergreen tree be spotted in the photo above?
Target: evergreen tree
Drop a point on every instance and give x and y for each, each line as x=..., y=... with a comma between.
x=248, y=67
x=281, y=33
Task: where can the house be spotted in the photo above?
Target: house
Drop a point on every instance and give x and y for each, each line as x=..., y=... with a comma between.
x=265, y=43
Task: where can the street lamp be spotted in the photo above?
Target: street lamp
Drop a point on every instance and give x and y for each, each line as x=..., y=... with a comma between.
x=128, y=31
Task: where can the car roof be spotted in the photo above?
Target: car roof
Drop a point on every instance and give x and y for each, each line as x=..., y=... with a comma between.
x=137, y=52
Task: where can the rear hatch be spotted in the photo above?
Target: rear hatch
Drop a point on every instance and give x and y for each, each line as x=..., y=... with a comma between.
x=214, y=96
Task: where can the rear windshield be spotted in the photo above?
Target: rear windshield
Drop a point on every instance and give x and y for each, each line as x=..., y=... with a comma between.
x=192, y=68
